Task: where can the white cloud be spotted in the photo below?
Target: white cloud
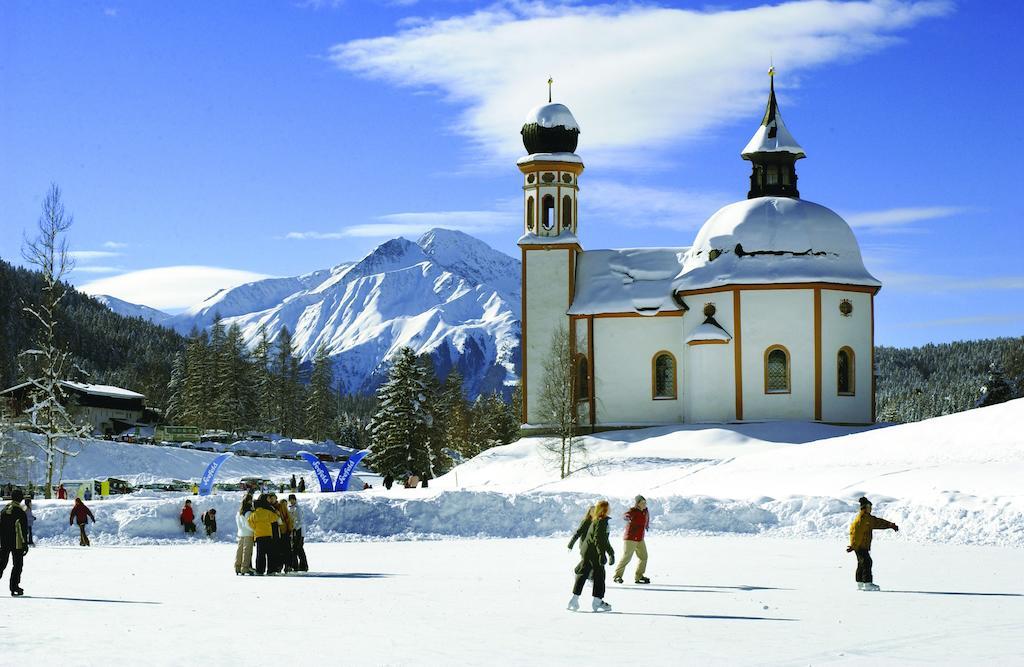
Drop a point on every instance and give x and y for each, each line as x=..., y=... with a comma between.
x=170, y=287
x=114, y=245
x=900, y=217
x=89, y=255
x=416, y=223
x=110, y=12
x=636, y=77
x=648, y=206
x=98, y=269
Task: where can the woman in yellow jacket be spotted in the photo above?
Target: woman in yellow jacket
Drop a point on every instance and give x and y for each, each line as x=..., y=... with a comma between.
x=860, y=542
x=262, y=520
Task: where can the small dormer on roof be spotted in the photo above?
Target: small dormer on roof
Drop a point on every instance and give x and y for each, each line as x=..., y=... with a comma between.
x=773, y=152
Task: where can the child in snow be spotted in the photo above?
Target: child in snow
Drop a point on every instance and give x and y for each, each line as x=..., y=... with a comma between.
x=210, y=522
x=860, y=543
x=12, y=540
x=581, y=532
x=298, y=544
x=243, y=555
x=638, y=520
x=29, y=520
x=81, y=514
x=188, y=518
x=597, y=551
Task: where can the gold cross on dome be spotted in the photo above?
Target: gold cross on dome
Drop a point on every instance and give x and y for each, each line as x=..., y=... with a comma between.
x=771, y=71
x=550, y=81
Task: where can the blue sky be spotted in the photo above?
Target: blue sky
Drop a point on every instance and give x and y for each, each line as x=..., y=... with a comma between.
x=252, y=139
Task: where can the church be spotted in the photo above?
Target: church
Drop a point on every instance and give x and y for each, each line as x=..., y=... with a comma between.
x=768, y=315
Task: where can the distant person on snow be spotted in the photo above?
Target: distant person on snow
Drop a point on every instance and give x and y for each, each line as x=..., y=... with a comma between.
x=210, y=522
x=597, y=551
x=62, y=493
x=243, y=555
x=302, y=485
x=388, y=482
x=30, y=519
x=81, y=514
x=263, y=521
x=188, y=518
x=13, y=542
x=638, y=520
x=860, y=543
x=581, y=532
x=298, y=542
x=292, y=485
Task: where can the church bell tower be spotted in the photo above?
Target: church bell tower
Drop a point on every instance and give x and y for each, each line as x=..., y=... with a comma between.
x=773, y=152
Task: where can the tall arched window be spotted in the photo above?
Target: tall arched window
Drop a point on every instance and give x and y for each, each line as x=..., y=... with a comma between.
x=663, y=376
x=566, y=211
x=529, y=213
x=776, y=370
x=846, y=377
x=547, y=211
x=582, y=378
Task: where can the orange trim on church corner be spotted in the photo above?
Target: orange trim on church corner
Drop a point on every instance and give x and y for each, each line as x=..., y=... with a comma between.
x=817, y=353
x=737, y=353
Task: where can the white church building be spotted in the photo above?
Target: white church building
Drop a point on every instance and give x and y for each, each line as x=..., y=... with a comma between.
x=769, y=314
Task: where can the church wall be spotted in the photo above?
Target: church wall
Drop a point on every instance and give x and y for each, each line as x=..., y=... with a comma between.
x=853, y=331
x=778, y=317
x=583, y=404
x=710, y=369
x=546, y=300
x=624, y=348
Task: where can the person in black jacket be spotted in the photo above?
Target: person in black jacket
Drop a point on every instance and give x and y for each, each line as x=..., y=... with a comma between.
x=581, y=532
x=210, y=522
x=596, y=552
x=13, y=539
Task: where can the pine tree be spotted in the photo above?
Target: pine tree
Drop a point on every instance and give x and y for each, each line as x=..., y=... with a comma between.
x=197, y=391
x=400, y=426
x=263, y=383
x=320, y=399
x=176, y=388
x=997, y=389
x=288, y=392
x=454, y=415
x=232, y=381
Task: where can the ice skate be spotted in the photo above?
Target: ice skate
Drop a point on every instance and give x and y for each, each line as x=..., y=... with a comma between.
x=600, y=605
x=871, y=587
x=860, y=585
x=617, y=580
x=17, y=592
x=643, y=580
x=574, y=603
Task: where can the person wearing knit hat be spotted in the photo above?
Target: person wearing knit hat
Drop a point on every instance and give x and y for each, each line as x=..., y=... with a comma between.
x=638, y=520
x=860, y=543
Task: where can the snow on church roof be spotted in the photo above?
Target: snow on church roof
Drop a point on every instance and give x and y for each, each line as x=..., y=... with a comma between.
x=772, y=136
x=773, y=240
x=626, y=281
x=552, y=115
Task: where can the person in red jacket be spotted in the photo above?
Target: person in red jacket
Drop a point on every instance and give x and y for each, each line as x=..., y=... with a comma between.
x=62, y=493
x=188, y=518
x=638, y=520
x=81, y=514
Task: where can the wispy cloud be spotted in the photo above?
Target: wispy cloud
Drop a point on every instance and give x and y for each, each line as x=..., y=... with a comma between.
x=89, y=255
x=648, y=206
x=416, y=223
x=170, y=287
x=110, y=12
x=691, y=72
x=114, y=245
x=98, y=269
x=963, y=321
x=901, y=217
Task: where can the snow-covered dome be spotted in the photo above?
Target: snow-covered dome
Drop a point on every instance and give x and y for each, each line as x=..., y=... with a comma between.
x=773, y=240
x=550, y=128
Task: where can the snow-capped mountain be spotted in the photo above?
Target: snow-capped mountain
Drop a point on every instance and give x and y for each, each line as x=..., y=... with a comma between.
x=448, y=294
x=133, y=309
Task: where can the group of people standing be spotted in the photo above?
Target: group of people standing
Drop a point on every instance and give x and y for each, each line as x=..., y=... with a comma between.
x=275, y=529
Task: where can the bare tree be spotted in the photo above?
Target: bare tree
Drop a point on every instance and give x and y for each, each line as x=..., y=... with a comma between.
x=48, y=253
x=557, y=407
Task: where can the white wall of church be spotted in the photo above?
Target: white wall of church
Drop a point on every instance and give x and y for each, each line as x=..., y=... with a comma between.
x=546, y=300
x=624, y=349
x=778, y=317
x=710, y=383
x=855, y=332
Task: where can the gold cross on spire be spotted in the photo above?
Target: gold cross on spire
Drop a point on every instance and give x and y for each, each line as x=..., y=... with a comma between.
x=550, y=81
x=771, y=71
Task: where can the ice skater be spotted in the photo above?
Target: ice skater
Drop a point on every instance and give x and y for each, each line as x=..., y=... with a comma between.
x=597, y=551
x=860, y=543
x=13, y=540
x=81, y=514
x=30, y=519
x=638, y=520
x=263, y=521
x=298, y=542
x=243, y=554
x=581, y=532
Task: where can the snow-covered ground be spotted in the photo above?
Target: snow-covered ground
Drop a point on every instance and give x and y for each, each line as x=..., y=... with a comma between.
x=723, y=600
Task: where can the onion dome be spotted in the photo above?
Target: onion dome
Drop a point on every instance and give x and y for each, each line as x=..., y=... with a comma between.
x=550, y=128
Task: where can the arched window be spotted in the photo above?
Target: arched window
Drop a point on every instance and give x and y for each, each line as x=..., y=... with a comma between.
x=776, y=370
x=529, y=213
x=566, y=211
x=547, y=211
x=663, y=376
x=582, y=378
x=846, y=376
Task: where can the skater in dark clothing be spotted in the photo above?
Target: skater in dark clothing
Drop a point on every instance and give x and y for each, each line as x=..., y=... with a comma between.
x=860, y=543
x=298, y=543
x=581, y=533
x=30, y=519
x=81, y=514
x=13, y=540
x=302, y=485
x=597, y=552
x=388, y=482
x=210, y=522
x=263, y=521
x=292, y=484
x=188, y=518
x=638, y=520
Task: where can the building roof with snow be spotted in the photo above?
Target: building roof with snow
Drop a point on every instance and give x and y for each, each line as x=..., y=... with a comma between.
x=627, y=280
x=550, y=128
x=772, y=136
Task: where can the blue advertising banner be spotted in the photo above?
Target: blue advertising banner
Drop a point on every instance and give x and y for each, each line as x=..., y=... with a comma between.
x=323, y=475
x=206, y=483
x=345, y=474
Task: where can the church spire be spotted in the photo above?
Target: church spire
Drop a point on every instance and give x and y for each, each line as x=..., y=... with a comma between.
x=773, y=152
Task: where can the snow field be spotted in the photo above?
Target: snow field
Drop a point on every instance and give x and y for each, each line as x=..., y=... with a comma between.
x=712, y=601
